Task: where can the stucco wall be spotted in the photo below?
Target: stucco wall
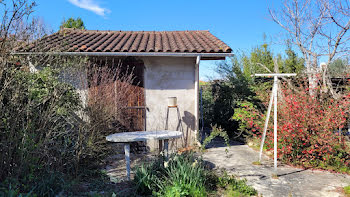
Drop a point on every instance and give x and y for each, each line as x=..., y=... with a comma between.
x=170, y=77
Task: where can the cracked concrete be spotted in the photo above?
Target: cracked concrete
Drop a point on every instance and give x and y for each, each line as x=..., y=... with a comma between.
x=290, y=182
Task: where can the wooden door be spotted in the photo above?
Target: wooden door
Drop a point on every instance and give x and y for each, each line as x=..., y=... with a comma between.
x=116, y=88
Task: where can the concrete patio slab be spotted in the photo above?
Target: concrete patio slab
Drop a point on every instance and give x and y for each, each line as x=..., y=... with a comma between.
x=290, y=182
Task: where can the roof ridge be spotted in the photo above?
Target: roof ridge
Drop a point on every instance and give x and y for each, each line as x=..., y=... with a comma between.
x=77, y=40
x=106, y=31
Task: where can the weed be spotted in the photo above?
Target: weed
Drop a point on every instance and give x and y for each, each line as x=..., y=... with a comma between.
x=235, y=187
x=274, y=176
x=258, y=163
x=216, y=132
x=347, y=190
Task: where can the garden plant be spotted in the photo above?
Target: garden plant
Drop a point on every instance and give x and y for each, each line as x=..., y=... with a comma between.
x=186, y=175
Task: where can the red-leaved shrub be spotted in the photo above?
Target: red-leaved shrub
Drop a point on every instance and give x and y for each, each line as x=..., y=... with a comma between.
x=308, y=128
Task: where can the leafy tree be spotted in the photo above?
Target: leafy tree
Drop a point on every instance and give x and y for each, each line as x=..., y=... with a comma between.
x=73, y=23
x=293, y=63
x=224, y=97
x=339, y=67
x=257, y=61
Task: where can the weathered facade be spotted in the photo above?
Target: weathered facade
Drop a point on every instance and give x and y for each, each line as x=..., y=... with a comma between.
x=171, y=77
x=167, y=62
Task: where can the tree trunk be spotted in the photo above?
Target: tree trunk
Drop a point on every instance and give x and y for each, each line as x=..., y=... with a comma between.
x=311, y=69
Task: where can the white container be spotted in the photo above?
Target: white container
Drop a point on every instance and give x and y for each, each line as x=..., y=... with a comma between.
x=172, y=101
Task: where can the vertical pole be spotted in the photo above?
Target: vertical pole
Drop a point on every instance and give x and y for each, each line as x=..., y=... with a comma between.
x=167, y=119
x=275, y=122
x=166, y=147
x=127, y=159
x=196, y=94
x=201, y=93
x=349, y=126
x=266, y=122
x=179, y=126
x=145, y=119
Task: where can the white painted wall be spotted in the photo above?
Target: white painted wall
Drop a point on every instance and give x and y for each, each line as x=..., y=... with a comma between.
x=170, y=77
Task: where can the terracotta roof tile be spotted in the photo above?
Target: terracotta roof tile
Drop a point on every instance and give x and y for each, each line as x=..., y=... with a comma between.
x=72, y=40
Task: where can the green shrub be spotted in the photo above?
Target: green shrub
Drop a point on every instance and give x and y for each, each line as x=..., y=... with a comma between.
x=185, y=175
x=308, y=128
x=148, y=177
x=13, y=191
x=217, y=101
x=235, y=187
x=347, y=190
x=39, y=129
x=181, y=175
x=45, y=140
x=216, y=132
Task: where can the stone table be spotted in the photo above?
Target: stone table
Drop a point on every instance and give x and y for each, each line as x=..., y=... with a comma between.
x=137, y=136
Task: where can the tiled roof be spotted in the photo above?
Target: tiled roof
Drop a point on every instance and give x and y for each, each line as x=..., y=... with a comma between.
x=72, y=40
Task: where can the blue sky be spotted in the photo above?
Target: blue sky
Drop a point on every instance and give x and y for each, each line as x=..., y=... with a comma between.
x=239, y=23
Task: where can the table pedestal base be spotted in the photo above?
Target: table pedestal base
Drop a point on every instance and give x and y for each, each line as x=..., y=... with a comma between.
x=127, y=154
x=127, y=159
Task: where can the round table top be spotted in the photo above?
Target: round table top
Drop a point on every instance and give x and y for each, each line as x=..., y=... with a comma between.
x=143, y=136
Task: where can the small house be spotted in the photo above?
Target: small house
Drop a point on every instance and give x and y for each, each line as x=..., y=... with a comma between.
x=166, y=64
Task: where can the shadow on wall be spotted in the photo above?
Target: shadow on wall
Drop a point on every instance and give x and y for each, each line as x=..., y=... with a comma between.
x=186, y=124
x=189, y=120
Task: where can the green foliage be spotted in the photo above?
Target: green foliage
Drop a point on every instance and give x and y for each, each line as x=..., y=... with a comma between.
x=45, y=140
x=216, y=99
x=203, y=83
x=247, y=114
x=12, y=191
x=235, y=187
x=262, y=55
x=306, y=128
x=339, y=68
x=216, y=132
x=223, y=99
x=347, y=190
x=36, y=138
x=259, y=55
x=293, y=63
x=207, y=105
x=185, y=175
x=181, y=175
x=73, y=23
x=147, y=176
x=38, y=103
